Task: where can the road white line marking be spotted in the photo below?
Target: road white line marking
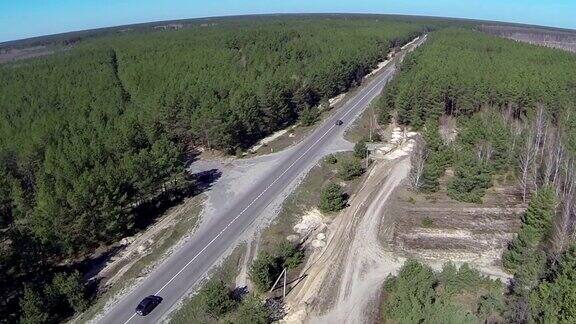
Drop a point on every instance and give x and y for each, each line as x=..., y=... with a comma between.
x=264, y=191
x=131, y=317
x=385, y=79
x=243, y=211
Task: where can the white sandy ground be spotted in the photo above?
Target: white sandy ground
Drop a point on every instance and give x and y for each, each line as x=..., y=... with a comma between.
x=270, y=139
x=345, y=277
x=412, y=42
x=332, y=102
x=381, y=65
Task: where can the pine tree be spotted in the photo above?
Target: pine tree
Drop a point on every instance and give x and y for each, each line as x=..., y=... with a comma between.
x=360, y=149
x=536, y=226
x=554, y=300
x=333, y=198
x=215, y=298
x=33, y=308
x=350, y=169
x=540, y=213
x=252, y=311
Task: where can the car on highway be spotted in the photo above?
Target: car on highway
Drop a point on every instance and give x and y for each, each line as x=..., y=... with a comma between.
x=338, y=122
x=148, y=304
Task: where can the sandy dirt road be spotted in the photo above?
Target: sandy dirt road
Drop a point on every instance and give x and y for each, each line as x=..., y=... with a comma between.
x=344, y=278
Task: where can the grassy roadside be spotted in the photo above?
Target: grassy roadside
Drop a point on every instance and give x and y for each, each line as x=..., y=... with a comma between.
x=360, y=128
x=164, y=240
x=191, y=310
x=306, y=197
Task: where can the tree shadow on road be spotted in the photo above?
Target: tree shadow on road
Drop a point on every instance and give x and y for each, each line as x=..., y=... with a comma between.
x=145, y=215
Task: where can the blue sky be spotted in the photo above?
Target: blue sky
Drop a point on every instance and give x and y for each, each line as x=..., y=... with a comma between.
x=28, y=18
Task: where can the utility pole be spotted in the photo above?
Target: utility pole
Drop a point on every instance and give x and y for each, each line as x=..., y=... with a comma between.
x=284, y=291
x=367, y=158
x=371, y=117
x=283, y=273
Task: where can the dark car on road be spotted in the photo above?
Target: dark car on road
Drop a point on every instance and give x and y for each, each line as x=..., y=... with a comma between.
x=339, y=122
x=148, y=304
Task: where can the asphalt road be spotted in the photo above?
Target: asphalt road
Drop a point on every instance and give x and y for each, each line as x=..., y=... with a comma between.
x=187, y=266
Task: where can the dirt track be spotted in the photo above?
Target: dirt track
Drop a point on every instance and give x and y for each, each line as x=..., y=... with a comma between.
x=345, y=277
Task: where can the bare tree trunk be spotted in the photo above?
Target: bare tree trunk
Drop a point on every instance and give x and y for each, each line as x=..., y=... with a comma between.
x=530, y=161
x=540, y=130
x=549, y=155
x=418, y=162
x=488, y=152
x=563, y=233
x=559, y=156
x=516, y=134
x=526, y=159
x=479, y=151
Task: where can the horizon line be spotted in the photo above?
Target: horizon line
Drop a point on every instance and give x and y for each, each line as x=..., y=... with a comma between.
x=8, y=42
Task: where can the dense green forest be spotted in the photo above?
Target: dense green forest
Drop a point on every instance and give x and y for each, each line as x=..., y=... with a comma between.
x=92, y=139
x=417, y=294
x=91, y=136
x=460, y=72
x=511, y=101
x=491, y=108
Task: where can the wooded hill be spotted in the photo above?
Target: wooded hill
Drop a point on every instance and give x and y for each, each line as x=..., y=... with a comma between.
x=90, y=136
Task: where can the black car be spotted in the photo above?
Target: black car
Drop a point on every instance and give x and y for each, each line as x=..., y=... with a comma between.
x=339, y=122
x=148, y=304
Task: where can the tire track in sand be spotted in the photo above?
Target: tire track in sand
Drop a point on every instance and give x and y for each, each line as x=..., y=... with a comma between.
x=344, y=278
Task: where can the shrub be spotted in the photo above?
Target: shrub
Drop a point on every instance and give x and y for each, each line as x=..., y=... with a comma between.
x=267, y=267
x=418, y=295
x=308, y=117
x=289, y=255
x=350, y=169
x=536, y=227
x=331, y=159
x=427, y=222
x=264, y=270
x=471, y=179
x=410, y=293
x=385, y=103
x=462, y=279
x=63, y=296
x=215, y=298
x=33, y=308
x=333, y=198
x=360, y=149
x=252, y=311
x=490, y=303
x=554, y=299
x=438, y=158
